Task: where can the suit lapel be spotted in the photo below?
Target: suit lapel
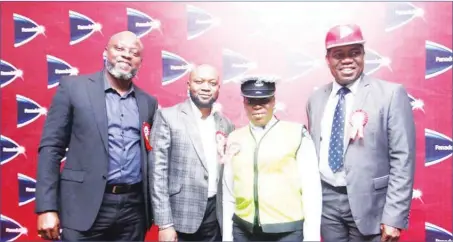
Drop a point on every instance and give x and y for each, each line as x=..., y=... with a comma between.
x=142, y=117
x=319, y=112
x=219, y=126
x=142, y=105
x=96, y=94
x=362, y=93
x=192, y=130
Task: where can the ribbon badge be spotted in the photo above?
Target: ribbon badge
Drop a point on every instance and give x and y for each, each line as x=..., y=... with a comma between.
x=359, y=119
x=146, y=131
x=221, y=140
x=231, y=151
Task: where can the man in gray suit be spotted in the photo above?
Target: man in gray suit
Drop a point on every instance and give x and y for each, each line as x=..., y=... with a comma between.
x=102, y=192
x=364, y=134
x=188, y=141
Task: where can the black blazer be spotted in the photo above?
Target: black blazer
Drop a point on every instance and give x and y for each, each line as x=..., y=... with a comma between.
x=77, y=119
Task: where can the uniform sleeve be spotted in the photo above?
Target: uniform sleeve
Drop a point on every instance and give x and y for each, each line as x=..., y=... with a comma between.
x=311, y=189
x=228, y=201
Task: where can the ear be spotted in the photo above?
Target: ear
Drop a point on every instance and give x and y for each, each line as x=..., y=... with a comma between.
x=327, y=60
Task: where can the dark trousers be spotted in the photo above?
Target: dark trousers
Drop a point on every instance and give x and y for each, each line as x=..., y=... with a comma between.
x=337, y=222
x=242, y=235
x=209, y=229
x=120, y=218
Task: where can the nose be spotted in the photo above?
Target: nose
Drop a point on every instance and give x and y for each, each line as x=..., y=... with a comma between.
x=205, y=87
x=257, y=107
x=346, y=60
x=126, y=54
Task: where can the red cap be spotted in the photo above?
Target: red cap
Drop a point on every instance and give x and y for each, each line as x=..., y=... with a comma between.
x=342, y=35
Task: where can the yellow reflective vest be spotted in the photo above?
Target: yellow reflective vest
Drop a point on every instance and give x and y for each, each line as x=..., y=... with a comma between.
x=267, y=187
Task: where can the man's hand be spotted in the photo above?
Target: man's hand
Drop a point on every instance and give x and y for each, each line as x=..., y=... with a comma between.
x=49, y=226
x=389, y=233
x=168, y=235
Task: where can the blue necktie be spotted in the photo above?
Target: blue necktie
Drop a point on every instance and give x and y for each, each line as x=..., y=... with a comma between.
x=336, y=144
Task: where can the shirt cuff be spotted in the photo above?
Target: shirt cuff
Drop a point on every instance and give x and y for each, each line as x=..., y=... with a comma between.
x=165, y=226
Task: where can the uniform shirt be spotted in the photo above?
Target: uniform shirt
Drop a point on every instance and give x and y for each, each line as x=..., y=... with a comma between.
x=310, y=182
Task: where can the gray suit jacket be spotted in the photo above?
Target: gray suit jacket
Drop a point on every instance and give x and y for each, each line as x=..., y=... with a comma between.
x=178, y=169
x=380, y=167
x=77, y=119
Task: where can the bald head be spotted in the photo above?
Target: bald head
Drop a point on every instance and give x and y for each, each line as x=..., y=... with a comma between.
x=204, y=85
x=204, y=71
x=123, y=55
x=125, y=36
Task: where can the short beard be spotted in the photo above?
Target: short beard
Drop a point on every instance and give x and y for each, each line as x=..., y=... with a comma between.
x=200, y=104
x=118, y=74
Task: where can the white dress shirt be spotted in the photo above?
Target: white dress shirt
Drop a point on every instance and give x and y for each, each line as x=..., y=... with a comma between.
x=311, y=188
x=207, y=131
x=327, y=175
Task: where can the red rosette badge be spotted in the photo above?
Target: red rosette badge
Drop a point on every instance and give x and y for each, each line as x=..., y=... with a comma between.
x=359, y=119
x=146, y=132
x=221, y=140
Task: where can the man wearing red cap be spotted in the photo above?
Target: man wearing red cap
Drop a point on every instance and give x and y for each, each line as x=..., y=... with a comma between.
x=364, y=133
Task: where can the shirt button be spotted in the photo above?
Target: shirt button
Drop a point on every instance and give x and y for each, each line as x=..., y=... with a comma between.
x=122, y=115
x=206, y=177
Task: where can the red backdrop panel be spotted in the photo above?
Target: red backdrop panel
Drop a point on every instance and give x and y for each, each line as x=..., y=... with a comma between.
x=408, y=43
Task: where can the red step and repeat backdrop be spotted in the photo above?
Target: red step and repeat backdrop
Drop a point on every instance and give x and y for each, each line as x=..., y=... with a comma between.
x=409, y=43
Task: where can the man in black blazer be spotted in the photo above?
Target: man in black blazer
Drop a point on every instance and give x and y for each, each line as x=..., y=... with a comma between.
x=102, y=191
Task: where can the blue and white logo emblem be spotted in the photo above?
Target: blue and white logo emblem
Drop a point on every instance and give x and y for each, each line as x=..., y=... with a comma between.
x=8, y=73
x=10, y=149
x=56, y=69
x=400, y=13
x=25, y=29
x=434, y=233
x=81, y=27
x=417, y=104
x=235, y=66
x=438, y=147
x=438, y=59
x=374, y=61
x=173, y=67
x=199, y=21
x=300, y=64
x=140, y=23
x=11, y=229
x=27, y=189
x=28, y=111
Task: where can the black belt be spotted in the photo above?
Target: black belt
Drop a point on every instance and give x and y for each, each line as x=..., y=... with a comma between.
x=341, y=190
x=123, y=188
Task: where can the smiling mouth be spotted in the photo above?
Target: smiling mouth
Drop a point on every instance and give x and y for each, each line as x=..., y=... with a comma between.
x=258, y=115
x=347, y=70
x=205, y=96
x=123, y=63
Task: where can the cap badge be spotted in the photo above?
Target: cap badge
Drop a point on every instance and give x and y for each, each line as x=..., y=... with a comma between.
x=259, y=83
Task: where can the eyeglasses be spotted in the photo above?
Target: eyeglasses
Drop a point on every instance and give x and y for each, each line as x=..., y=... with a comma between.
x=258, y=101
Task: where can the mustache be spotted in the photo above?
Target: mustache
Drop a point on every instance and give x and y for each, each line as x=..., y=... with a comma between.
x=116, y=72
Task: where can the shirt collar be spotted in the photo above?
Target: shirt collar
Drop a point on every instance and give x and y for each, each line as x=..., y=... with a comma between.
x=265, y=127
x=108, y=87
x=197, y=111
x=352, y=87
